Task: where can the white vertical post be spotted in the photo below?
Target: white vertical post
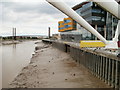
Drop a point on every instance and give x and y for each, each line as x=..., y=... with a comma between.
x=96, y=30
x=105, y=31
x=117, y=33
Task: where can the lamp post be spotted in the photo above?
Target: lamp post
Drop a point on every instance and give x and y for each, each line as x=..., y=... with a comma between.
x=48, y=32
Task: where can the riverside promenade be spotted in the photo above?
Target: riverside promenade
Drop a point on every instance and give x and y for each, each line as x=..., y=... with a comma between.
x=53, y=68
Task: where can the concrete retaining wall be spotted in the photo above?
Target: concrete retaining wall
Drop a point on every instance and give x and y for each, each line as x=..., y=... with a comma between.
x=105, y=68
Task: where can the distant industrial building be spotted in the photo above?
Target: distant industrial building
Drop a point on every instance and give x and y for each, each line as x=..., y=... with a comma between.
x=104, y=22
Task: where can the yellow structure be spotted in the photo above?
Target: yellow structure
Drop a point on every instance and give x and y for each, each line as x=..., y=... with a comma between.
x=91, y=43
x=67, y=24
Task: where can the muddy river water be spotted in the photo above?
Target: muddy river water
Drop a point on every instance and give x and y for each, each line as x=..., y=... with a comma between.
x=14, y=58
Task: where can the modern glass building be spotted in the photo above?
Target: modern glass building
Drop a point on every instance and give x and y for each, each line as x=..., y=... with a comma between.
x=104, y=22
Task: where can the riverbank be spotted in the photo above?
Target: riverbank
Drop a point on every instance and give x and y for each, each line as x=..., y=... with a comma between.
x=52, y=68
x=14, y=58
x=10, y=42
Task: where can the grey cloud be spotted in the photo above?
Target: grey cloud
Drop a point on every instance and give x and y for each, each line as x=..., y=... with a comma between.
x=32, y=7
x=40, y=7
x=34, y=15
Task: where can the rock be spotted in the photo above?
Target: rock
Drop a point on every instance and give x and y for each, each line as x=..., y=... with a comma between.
x=36, y=48
x=25, y=67
x=118, y=55
x=34, y=65
x=53, y=73
x=66, y=79
x=24, y=84
x=21, y=74
x=73, y=74
x=41, y=50
x=46, y=46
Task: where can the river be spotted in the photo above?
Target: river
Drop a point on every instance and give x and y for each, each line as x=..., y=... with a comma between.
x=14, y=58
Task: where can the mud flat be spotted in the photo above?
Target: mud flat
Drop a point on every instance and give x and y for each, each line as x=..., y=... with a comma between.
x=9, y=42
x=52, y=68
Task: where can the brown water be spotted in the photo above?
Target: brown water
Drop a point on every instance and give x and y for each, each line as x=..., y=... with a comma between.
x=14, y=58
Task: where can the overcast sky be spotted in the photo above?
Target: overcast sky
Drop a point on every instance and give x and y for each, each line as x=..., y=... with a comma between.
x=30, y=17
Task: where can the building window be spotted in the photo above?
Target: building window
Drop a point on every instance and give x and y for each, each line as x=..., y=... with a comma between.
x=86, y=12
x=67, y=21
x=74, y=26
x=96, y=10
x=97, y=18
x=67, y=26
x=87, y=5
x=88, y=18
x=95, y=5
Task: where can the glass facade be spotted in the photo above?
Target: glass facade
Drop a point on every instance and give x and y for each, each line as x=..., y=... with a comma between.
x=101, y=20
x=86, y=6
x=95, y=16
x=79, y=11
x=111, y=23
